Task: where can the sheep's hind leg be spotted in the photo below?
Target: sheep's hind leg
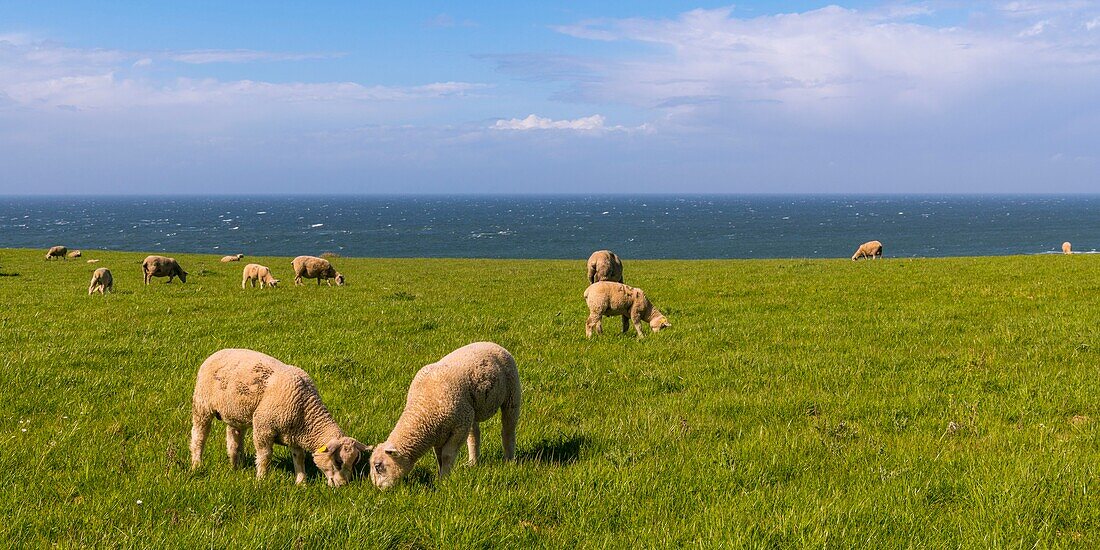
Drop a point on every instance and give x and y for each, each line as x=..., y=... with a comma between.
x=200, y=427
x=592, y=322
x=263, y=441
x=626, y=324
x=473, y=443
x=234, y=438
x=446, y=454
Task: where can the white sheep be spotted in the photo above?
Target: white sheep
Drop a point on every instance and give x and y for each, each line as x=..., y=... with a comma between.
x=246, y=388
x=74, y=254
x=604, y=265
x=160, y=266
x=102, y=282
x=312, y=267
x=227, y=259
x=56, y=252
x=869, y=249
x=445, y=403
x=256, y=272
x=1067, y=248
x=608, y=299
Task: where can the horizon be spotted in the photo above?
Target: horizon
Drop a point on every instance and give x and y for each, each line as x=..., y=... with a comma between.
x=783, y=98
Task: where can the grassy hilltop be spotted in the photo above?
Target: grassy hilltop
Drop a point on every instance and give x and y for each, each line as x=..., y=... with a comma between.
x=938, y=402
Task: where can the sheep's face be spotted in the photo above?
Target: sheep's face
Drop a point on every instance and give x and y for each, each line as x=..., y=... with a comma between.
x=183, y=276
x=272, y=282
x=339, y=279
x=387, y=466
x=659, y=322
x=338, y=458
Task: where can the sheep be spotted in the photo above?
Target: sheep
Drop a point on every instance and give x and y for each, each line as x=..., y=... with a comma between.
x=246, y=388
x=227, y=259
x=93, y=261
x=257, y=272
x=159, y=266
x=102, y=282
x=1067, y=248
x=73, y=254
x=312, y=267
x=56, y=252
x=446, y=402
x=870, y=249
x=607, y=299
x=604, y=265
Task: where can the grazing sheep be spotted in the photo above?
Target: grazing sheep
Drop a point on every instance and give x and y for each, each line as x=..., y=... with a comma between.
x=607, y=299
x=870, y=249
x=312, y=267
x=257, y=272
x=1067, y=248
x=74, y=254
x=604, y=265
x=56, y=252
x=102, y=282
x=159, y=266
x=280, y=402
x=446, y=401
x=227, y=259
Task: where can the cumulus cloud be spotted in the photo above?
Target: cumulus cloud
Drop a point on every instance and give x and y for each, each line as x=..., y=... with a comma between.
x=535, y=122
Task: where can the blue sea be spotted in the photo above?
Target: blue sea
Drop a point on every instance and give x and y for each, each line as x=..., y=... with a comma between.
x=718, y=226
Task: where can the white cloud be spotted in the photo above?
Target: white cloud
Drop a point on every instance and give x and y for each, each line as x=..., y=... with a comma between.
x=198, y=57
x=534, y=122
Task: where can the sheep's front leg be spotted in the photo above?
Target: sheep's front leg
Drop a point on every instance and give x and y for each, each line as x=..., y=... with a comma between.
x=263, y=440
x=233, y=440
x=473, y=443
x=446, y=454
x=200, y=427
x=626, y=324
x=299, y=465
x=637, y=320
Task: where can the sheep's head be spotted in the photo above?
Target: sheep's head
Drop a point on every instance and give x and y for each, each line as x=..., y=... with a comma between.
x=337, y=459
x=239, y=256
x=272, y=282
x=183, y=276
x=658, y=322
x=339, y=279
x=387, y=465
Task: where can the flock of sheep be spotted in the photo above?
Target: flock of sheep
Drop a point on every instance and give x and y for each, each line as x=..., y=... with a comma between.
x=446, y=401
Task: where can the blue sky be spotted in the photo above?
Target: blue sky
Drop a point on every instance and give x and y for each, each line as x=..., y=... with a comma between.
x=540, y=97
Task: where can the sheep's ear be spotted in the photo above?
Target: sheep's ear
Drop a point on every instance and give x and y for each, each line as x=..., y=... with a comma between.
x=363, y=448
x=390, y=449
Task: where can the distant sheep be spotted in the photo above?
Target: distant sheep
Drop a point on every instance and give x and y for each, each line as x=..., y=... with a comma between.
x=608, y=299
x=93, y=261
x=56, y=252
x=102, y=282
x=1067, y=248
x=257, y=272
x=227, y=259
x=312, y=267
x=870, y=249
x=74, y=254
x=445, y=403
x=604, y=265
x=160, y=266
x=246, y=388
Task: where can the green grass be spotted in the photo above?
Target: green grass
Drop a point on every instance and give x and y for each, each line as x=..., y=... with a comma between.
x=885, y=403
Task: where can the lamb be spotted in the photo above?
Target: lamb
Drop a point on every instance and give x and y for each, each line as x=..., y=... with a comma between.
x=870, y=249
x=312, y=267
x=102, y=282
x=604, y=265
x=73, y=254
x=1067, y=248
x=280, y=402
x=227, y=259
x=257, y=272
x=56, y=252
x=607, y=299
x=160, y=266
x=445, y=403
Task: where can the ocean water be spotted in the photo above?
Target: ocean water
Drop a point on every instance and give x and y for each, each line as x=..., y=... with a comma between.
x=719, y=226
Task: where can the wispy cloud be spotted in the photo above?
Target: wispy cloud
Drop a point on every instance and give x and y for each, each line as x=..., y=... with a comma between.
x=594, y=123
x=197, y=57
